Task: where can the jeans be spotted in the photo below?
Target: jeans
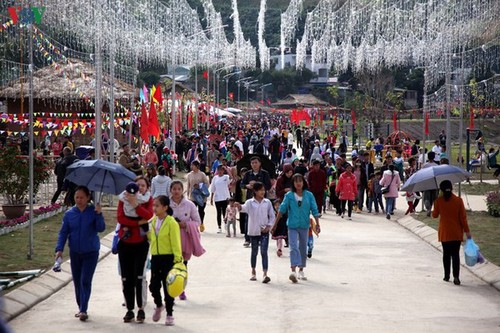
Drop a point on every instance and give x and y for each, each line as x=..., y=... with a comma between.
x=160, y=266
x=389, y=202
x=220, y=206
x=263, y=241
x=82, y=269
x=451, y=254
x=297, y=239
x=429, y=197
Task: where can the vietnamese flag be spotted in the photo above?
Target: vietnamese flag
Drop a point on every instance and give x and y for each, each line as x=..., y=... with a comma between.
x=231, y=96
x=395, y=120
x=144, y=124
x=205, y=75
x=153, y=126
x=353, y=117
x=471, y=124
x=427, y=123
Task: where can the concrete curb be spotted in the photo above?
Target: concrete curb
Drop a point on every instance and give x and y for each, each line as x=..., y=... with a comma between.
x=488, y=272
x=39, y=289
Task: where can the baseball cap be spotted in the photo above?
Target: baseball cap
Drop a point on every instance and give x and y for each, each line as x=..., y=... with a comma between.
x=132, y=188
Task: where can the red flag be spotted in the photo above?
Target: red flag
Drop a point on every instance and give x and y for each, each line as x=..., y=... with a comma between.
x=395, y=120
x=153, y=125
x=231, y=96
x=335, y=121
x=307, y=117
x=20, y=116
x=158, y=95
x=205, y=75
x=471, y=125
x=353, y=117
x=190, y=120
x=144, y=124
x=427, y=123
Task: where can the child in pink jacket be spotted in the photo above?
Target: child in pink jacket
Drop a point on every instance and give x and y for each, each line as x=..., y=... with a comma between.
x=347, y=189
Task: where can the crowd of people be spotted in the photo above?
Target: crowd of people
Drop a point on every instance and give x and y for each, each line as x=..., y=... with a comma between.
x=277, y=179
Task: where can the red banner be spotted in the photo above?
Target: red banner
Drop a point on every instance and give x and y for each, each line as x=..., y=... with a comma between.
x=335, y=121
x=395, y=120
x=353, y=117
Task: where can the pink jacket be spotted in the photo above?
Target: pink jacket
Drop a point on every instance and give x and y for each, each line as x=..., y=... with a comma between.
x=347, y=187
x=394, y=183
x=191, y=241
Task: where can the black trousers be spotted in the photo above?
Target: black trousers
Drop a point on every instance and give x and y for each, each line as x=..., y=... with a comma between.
x=58, y=191
x=132, y=259
x=350, y=203
x=451, y=255
x=201, y=211
x=160, y=266
x=244, y=225
x=221, y=211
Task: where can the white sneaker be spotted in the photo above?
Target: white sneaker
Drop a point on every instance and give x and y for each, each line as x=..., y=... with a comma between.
x=302, y=276
x=220, y=231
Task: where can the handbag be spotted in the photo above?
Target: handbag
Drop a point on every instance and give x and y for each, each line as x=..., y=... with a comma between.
x=387, y=188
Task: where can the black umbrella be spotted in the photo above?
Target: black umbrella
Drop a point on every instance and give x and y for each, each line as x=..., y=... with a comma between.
x=266, y=163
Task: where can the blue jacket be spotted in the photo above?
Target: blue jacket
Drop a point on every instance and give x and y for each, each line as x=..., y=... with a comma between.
x=81, y=229
x=298, y=217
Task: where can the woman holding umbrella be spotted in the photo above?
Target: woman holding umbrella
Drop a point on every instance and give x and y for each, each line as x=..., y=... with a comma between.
x=452, y=224
x=133, y=249
x=80, y=226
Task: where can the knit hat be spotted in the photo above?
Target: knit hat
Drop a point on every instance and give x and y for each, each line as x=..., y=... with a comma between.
x=132, y=188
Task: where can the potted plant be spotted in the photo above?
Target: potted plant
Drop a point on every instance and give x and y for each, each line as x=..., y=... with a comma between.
x=14, y=179
x=493, y=203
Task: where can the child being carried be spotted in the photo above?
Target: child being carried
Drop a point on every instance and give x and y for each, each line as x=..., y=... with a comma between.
x=131, y=190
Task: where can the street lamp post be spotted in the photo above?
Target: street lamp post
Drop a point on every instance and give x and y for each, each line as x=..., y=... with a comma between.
x=247, y=86
x=227, y=77
x=263, y=99
x=239, y=87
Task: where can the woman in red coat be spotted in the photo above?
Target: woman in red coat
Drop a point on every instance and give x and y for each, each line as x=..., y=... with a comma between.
x=347, y=189
x=133, y=248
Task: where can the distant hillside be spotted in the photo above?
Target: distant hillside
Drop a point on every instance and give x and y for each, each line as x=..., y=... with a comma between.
x=249, y=11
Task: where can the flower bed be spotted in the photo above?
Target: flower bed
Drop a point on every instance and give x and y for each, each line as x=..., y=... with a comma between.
x=40, y=214
x=493, y=203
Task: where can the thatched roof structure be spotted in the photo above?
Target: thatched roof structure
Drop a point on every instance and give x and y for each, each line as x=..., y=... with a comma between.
x=70, y=81
x=294, y=100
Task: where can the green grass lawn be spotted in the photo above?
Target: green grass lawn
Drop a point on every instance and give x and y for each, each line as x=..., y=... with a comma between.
x=479, y=188
x=14, y=246
x=485, y=230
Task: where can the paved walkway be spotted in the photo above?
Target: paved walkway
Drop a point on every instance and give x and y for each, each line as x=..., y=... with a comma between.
x=366, y=275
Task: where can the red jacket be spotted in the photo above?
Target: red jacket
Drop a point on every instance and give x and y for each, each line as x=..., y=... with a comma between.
x=145, y=211
x=316, y=181
x=347, y=187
